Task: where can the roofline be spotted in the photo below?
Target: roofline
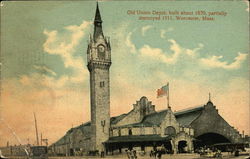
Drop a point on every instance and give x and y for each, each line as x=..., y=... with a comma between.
x=177, y=113
x=188, y=110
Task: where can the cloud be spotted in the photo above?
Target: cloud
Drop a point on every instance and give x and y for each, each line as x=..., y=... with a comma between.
x=45, y=70
x=158, y=54
x=38, y=80
x=145, y=29
x=130, y=44
x=165, y=57
x=179, y=52
x=47, y=92
x=56, y=44
x=164, y=31
x=215, y=62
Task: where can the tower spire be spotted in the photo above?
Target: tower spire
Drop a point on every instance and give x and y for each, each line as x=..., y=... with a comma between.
x=98, y=24
x=97, y=14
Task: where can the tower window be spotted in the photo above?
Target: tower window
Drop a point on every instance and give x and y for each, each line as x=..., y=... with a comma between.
x=102, y=84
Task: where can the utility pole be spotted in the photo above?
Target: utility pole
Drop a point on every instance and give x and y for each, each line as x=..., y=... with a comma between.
x=37, y=139
x=41, y=139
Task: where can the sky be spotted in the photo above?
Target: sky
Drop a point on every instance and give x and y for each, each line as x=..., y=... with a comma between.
x=43, y=62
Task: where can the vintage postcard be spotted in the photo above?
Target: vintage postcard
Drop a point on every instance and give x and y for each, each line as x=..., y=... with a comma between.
x=124, y=79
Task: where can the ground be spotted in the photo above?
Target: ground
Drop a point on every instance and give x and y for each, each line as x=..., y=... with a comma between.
x=177, y=156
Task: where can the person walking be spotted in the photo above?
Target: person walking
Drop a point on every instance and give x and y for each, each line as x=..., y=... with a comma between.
x=134, y=154
x=128, y=153
x=158, y=154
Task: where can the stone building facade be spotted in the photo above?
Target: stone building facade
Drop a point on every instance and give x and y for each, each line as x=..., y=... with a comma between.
x=99, y=62
x=143, y=127
x=15, y=150
x=180, y=131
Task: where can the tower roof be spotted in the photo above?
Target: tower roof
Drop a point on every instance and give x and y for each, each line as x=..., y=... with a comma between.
x=97, y=14
x=98, y=24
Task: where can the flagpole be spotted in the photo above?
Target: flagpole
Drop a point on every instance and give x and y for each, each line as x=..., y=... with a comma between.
x=168, y=96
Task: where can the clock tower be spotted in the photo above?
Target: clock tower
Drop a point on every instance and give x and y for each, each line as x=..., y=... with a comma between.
x=99, y=62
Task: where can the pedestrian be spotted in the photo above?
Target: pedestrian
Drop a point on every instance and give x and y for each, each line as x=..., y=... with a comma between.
x=151, y=153
x=158, y=154
x=155, y=153
x=102, y=154
x=134, y=154
x=128, y=153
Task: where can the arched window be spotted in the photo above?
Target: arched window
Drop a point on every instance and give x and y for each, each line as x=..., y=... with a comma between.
x=170, y=130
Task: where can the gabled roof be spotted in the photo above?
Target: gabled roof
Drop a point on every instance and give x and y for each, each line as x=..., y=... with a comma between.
x=116, y=119
x=84, y=128
x=187, y=116
x=188, y=110
x=184, y=117
x=155, y=118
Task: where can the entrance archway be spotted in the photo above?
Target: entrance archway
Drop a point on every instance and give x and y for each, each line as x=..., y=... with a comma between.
x=208, y=139
x=182, y=146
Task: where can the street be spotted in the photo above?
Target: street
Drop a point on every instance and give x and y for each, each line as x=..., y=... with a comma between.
x=175, y=156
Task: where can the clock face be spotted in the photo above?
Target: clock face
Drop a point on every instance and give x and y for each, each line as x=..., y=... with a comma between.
x=101, y=48
x=101, y=51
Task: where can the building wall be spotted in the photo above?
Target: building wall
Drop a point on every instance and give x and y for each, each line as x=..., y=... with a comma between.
x=75, y=142
x=16, y=150
x=211, y=122
x=182, y=136
x=169, y=120
x=100, y=106
x=208, y=121
x=136, y=131
x=142, y=108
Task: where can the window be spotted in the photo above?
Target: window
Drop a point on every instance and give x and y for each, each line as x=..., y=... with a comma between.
x=130, y=131
x=119, y=132
x=154, y=130
x=102, y=84
x=170, y=131
x=182, y=128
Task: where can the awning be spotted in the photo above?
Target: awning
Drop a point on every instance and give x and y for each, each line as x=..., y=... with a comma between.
x=137, y=138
